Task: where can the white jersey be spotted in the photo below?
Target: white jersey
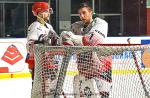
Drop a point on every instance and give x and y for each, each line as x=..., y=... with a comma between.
x=97, y=25
x=35, y=30
x=91, y=35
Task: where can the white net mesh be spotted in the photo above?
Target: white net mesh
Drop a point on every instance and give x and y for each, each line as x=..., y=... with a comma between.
x=91, y=72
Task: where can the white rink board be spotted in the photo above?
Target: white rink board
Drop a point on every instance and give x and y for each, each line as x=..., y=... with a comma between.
x=123, y=40
x=21, y=87
x=16, y=83
x=15, y=88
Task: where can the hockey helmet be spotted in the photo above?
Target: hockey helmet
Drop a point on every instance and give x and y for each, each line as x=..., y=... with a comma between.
x=40, y=7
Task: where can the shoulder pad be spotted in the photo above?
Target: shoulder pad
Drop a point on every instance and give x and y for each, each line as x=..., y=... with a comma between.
x=49, y=26
x=35, y=25
x=99, y=20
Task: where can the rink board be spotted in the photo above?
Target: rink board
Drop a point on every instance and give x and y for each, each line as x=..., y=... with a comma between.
x=18, y=84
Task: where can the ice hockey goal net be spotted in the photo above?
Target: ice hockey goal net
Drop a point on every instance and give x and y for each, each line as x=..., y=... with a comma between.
x=106, y=71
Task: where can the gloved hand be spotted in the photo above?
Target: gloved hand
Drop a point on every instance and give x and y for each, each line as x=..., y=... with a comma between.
x=42, y=39
x=53, y=38
x=68, y=38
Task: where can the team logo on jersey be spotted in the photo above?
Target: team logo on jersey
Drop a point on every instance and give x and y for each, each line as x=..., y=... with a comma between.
x=12, y=55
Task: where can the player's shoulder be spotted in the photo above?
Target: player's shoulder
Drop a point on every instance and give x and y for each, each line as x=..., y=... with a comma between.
x=34, y=25
x=49, y=26
x=37, y=25
x=98, y=20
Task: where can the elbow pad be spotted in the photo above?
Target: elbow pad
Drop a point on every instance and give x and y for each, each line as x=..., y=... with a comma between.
x=93, y=39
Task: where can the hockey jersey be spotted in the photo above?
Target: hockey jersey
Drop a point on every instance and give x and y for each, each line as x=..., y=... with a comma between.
x=35, y=30
x=94, y=33
x=97, y=25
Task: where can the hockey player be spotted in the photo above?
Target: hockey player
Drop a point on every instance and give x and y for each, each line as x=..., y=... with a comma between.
x=89, y=32
x=40, y=31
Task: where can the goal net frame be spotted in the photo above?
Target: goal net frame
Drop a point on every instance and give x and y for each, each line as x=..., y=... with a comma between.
x=68, y=51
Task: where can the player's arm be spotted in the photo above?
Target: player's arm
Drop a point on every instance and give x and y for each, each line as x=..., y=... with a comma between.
x=96, y=35
x=34, y=37
x=74, y=36
x=91, y=39
x=53, y=38
x=69, y=38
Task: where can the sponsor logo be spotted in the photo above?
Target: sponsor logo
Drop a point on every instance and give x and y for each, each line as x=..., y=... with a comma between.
x=12, y=55
x=124, y=55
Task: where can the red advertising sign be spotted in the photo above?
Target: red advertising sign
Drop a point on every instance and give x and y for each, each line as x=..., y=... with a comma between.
x=12, y=55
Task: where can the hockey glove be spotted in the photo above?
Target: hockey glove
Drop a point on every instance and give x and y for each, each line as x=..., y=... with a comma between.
x=53, y=38
x=68, y=38
x=42, y=39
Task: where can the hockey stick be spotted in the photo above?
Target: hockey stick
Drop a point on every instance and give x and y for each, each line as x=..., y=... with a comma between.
x=139, y=72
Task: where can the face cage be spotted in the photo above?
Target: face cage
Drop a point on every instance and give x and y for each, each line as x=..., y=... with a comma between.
x=51, y=11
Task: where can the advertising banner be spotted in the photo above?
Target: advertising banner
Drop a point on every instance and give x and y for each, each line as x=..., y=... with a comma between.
x=12, y=55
